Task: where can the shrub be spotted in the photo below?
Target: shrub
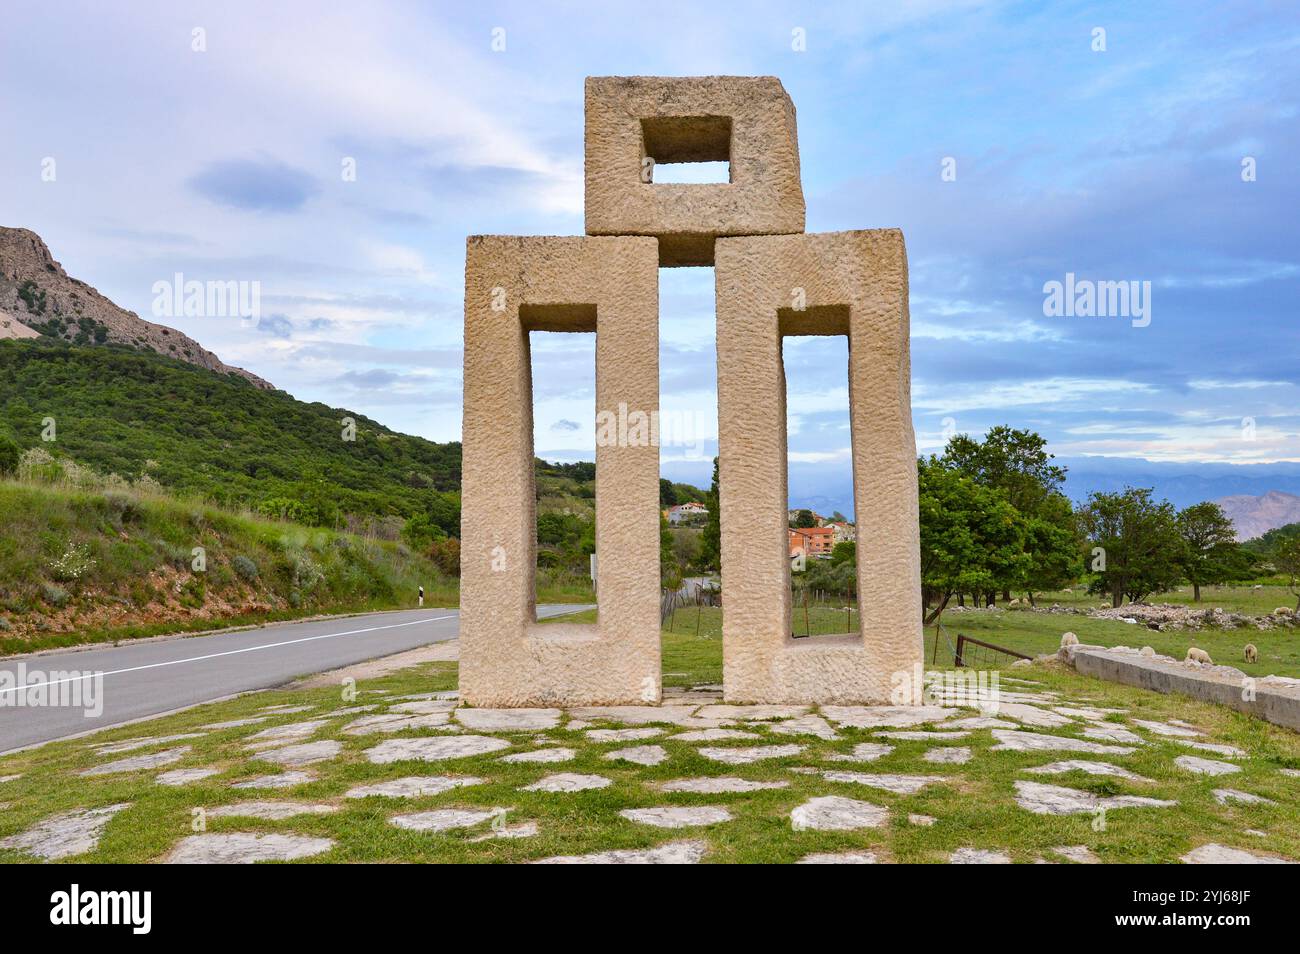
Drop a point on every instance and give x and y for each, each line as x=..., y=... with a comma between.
x=245, y=567
x=75, y=563
x=10, y=454
x=56, y=596
x=5, y=625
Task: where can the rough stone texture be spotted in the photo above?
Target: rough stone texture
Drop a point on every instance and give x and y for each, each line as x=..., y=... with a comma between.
x=979, y=722
x=137, y=762
x=923, y=735
x=677, y=816
x=862, y=752
x=567, y=782
x=1275, y=701
x=713, y=786
x=893, y=717
x=754, y=713
x=747, y=121
x=186, y=776
x=1113, y=733
x=1205, y=766
x=285, y=708
x=956, y=755
x=842, y=858
x=522, y=830
x=244, y=848
x=806, y=725
x=130, y=745
x=412, y=786
x=309, y=753
x=1227, y=751
x=640, y=755
x=622, y=735
x=1223, y=855
x=1057, y=800
x=898, y=784
x=609, y=285
x=387, y=723
x=64, y=835
x=833, y=813
x=978, y=856
x=415, y=707
x=1225, y=795
x=508, y=720
x=855, y=284
x=235, y=723
x=714, y=735
x=279, y=734
x=1032, y=715
x=273, y=811
x=641, y=715
x=1035, y=742
x=435, y=749
x=283, y=780
x=542, y=755
x=1085, y=765
x=445, y=819
x=672, y=853
x=1168, y=729
x=747, y=754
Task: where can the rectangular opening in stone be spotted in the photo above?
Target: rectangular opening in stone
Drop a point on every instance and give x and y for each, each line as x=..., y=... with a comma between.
x=562, y=366
x=687, y=150
x=819, y=472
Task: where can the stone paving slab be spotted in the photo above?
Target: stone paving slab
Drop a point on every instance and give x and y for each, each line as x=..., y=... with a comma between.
x=445, y=819
x=898, y=784
x=1044, y=799
x=621, y=735
x=541, y=756
x=1088, y=766
x=245, y=848
x=672, y=853
x=693, y=816
x=135, y=763
x=186, y=776
x=568, y=782
x=744, y=755
x=896, y=717
x=833, y=813
x=434, y=749
x=978, y=856
x=1035, y=742
x=1201, y=766
x=308, y=753
x=862, y=752
x=130, y=745
x=272, y=811
x=1223, y=855
x=282, y=780
x=412, y=786
x=640, y=755
x=713, y=786
x=714, y=735
x=64, y=835
x=508, y=720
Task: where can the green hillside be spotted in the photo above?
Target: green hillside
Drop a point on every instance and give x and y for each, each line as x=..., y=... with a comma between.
x=136, y=414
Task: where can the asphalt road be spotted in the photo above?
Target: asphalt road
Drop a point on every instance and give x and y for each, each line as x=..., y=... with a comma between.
x=147, y=678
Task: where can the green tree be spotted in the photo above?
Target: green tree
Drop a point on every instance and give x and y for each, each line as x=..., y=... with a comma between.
x=10, y=454
x=846, y=551
x=667, y=492
x=711, y=538
x=1053, y=546
x=804, y=519
x=972, y=539
x=1286, y=560
x=1135, y=544
x=1209, y=552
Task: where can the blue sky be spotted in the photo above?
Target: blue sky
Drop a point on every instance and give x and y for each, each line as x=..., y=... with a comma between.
x=1115, y=165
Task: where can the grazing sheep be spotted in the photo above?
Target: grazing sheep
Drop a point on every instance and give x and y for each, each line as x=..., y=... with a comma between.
x=1282, y=611
x=1252, y=654
x=1199, y=656
x=1069, y=639
x=1148, y=652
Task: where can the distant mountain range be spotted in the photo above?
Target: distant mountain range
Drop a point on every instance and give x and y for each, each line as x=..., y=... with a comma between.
x=37, y=297
x=1255, y=516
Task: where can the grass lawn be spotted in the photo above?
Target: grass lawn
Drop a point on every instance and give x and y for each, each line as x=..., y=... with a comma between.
x=973, y=807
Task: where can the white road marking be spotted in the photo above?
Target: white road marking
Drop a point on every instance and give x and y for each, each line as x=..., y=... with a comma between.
x=229, y=652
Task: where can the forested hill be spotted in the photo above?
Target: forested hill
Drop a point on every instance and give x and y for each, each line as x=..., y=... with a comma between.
x=137, y=414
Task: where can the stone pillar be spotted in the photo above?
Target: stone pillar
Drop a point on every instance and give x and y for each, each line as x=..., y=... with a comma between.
x=849, y=283
x=514, y=285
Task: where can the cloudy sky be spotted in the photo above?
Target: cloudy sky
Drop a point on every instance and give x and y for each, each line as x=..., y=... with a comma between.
x=1123, y=164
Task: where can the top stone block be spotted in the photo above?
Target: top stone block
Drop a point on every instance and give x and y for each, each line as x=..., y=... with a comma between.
x=745, y=121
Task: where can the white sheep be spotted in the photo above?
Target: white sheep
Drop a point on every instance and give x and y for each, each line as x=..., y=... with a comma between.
x=1199, y=656
x=1252, y=654
x=1069, y=639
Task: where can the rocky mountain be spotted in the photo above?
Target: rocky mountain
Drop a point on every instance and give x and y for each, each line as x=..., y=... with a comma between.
x=37, y=297
x=1253, y=516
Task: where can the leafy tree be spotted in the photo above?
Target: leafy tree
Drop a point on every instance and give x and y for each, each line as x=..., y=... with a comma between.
x=667, y=492
x=1052, y=544
x=804, y=519
x=1286, y=559
x=1209, y=553
x=846, y=551
x=972, y=539
x=711, y=538
x=10, y=454
x=1135, y=541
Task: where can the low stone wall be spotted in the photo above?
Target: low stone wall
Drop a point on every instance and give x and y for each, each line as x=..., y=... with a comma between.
x=1271, y=698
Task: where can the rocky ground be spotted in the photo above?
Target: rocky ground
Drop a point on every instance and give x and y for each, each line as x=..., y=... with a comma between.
x=1057, y=769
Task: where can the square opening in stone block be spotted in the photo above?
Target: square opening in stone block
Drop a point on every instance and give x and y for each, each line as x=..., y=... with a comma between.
x=676, y=139
x=812, y=320
x=558, y=317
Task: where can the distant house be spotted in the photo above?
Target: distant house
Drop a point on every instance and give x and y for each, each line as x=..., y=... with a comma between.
x=845, y=532
x=689, y=512
x=815, y=543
